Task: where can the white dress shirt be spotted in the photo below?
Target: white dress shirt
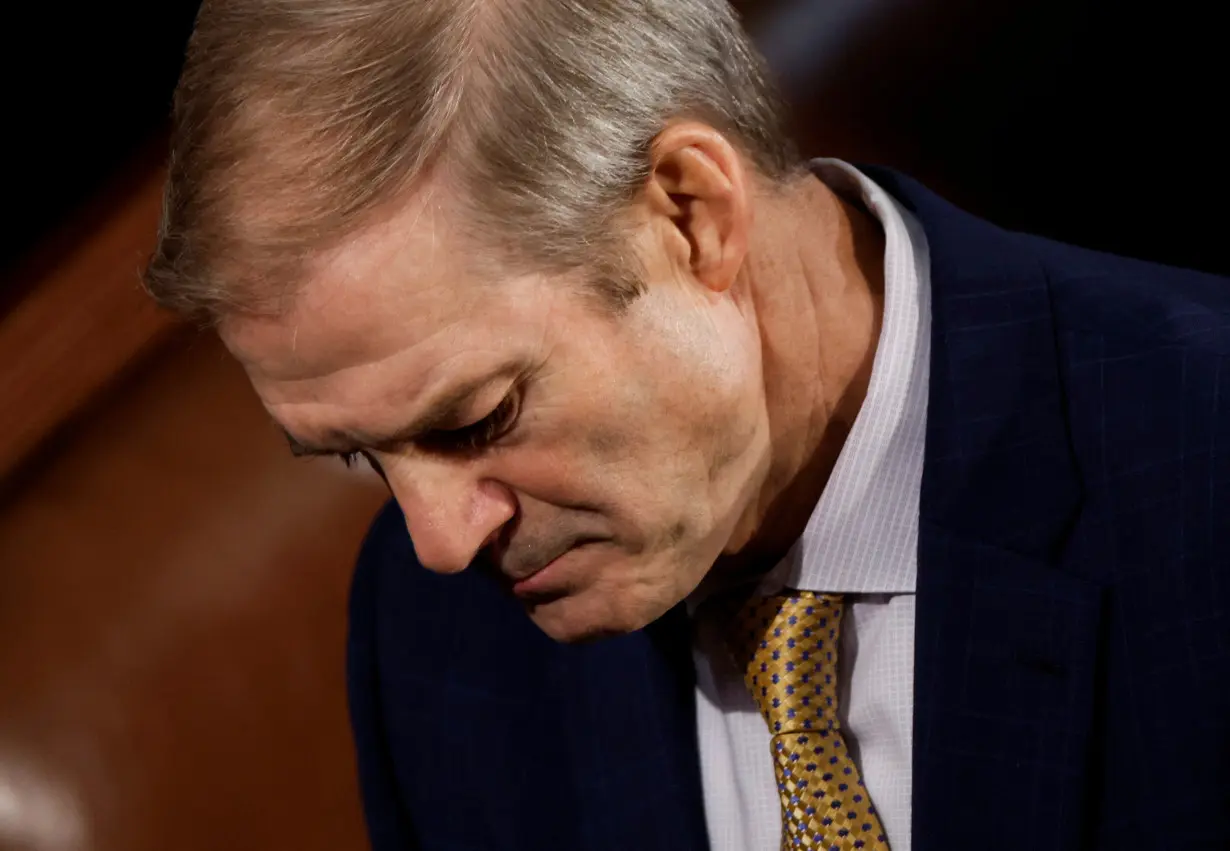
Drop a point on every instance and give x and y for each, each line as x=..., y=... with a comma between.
x=860, y=541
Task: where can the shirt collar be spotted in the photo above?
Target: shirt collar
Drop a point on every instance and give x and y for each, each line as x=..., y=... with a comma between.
x=862, y=536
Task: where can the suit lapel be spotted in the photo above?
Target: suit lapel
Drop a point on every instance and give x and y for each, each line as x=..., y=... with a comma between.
x=1006, y=641
x=1005, y=655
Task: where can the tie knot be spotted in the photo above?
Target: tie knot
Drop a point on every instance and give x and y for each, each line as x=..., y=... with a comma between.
x=786, y=645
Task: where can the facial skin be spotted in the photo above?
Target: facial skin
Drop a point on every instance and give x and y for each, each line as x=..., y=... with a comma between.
x=625, y=454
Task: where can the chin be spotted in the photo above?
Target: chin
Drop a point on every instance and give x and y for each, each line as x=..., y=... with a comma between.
x=577, y=618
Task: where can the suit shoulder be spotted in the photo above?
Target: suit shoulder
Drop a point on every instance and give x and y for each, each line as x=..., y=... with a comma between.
x=1099, y=294
x=387, y=543
x=396, y=599
x=1145, y=365
x=1148, y=304
x=386, y=539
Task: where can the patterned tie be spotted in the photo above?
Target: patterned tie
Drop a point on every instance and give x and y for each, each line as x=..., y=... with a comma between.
x=787, y=648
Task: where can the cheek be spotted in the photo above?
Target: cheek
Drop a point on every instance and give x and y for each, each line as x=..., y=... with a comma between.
x=622, y=470
x=560, y=457
x=642, y=434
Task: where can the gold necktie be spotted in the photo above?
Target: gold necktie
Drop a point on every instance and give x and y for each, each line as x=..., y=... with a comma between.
x=787, y=648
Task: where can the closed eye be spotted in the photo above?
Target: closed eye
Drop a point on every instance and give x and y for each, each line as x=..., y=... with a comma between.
x=479, y=435
x=468, y=439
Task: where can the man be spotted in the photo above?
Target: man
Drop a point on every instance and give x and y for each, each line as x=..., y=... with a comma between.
x=894, y=529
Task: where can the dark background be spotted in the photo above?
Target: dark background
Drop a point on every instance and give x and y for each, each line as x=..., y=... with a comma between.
x=85, y=87
x=1090, y=121
x=1095, y=122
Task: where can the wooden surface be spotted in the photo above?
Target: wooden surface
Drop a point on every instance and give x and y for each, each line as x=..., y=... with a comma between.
x=172, y=628
x=81, y=323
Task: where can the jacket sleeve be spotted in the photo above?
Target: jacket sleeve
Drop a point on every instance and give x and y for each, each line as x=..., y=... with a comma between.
x=389, y=825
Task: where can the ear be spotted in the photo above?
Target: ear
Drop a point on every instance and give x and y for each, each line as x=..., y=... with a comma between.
x=699, y=191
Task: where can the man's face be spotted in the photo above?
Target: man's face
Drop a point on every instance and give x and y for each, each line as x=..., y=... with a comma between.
x=597, y=463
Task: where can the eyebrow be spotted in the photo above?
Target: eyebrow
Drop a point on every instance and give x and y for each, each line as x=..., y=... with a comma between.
x=444, y=411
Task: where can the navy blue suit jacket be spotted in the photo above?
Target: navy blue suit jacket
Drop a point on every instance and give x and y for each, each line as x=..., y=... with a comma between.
x=1072, y=659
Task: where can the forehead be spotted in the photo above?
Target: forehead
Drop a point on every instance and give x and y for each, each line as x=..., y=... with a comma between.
x=404, y=291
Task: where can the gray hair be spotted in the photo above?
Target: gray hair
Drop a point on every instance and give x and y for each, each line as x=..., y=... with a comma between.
x=295, y=121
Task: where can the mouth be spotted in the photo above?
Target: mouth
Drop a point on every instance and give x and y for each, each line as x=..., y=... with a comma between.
x=551, y=580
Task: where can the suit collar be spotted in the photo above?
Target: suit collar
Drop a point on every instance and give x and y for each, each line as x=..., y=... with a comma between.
x=999, y=466
x=1005, y=637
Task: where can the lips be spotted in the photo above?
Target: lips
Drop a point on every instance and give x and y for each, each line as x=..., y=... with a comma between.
x=516, y=563
x=539, y=585
x=544, y=580
x=519, y=573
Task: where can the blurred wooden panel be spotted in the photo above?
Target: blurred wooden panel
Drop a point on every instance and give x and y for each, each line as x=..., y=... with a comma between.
x=82, y=320
x=172, y=606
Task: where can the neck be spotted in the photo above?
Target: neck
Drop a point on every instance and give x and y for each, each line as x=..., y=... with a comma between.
x=815, y=277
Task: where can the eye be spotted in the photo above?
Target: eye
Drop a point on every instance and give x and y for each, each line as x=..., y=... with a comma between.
x=481, y=434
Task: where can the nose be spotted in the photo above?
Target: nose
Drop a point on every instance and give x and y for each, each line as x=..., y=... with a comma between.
x=451, y=512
